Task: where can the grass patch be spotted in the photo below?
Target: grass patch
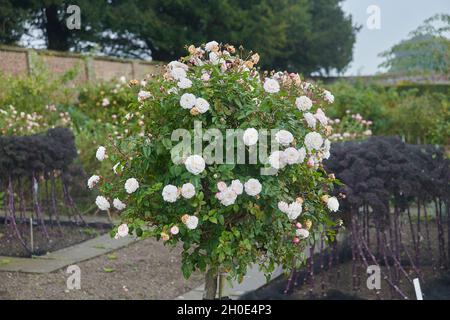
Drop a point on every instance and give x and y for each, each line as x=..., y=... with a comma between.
x=112, y=256
x=4, y=262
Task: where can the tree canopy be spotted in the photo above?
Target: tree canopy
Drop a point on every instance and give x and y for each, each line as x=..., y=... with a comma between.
x=300, y=35
x=425, y=51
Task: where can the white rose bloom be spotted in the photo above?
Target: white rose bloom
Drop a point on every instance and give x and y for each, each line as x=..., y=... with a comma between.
x=301, y=155
x=303, y=103
x=197, y=61
x=122, y=79
x=174, y=230
x=102, y=203
x=326, y=149
x=119, y=205
x=101, y=153
x=92, y=182
x=250, y=136
x=192, y=222
x=302, y=233
x=173, y=90
x=320, y=115
x=184, y=83
x=253, y=187
x=195, y=164
x=178, y=64
x=143, y=95
x=188, y=190
x=271, y=86
x=212, y=46
x=131, y=185
x=202, y=105
x=105, y=102
x=223, y=67
x=214, y=58
x=284, y=137
x=283, y=206
x=291, y=155
x=327, y=145
x=295, y=209
x=328, y=96
x=313, y=141
x=170, y=193
x=277, y=160
x=237, y=187
x=221, y=186
x=122, y=230
x=178, y=73
x=228, y=197
x=333, y=204
x=310, y=120
x=187, y=101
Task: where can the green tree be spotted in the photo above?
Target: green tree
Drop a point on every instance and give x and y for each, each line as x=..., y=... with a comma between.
x=11, y=23
x=426, y=51
x=49, y=17
x=299, y=35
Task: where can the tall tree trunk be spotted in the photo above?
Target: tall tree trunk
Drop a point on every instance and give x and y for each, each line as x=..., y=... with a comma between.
x=210, y=285
x=56, y=30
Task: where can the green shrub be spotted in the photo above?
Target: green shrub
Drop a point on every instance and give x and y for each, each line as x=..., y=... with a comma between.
x=418, y=115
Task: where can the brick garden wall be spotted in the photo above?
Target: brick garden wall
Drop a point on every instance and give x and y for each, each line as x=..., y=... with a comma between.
x=19, y=61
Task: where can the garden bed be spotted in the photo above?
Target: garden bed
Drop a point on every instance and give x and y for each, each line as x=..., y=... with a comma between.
x=61, y=237
x=337, y=282
x=340, y=287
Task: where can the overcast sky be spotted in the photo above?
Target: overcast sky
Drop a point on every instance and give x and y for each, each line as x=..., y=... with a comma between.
x=398, y=18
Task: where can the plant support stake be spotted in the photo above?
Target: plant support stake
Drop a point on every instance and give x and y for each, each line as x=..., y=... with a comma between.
x=417, y=288
x=31, y=235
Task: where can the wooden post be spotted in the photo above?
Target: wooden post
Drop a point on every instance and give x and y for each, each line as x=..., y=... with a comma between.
x=30, y=56
x=90, y=73
x=31, y=235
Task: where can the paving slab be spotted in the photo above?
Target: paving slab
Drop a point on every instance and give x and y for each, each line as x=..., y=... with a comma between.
x=65, y=257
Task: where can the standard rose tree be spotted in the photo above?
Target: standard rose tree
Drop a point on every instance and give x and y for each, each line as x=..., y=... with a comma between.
x=264, y=204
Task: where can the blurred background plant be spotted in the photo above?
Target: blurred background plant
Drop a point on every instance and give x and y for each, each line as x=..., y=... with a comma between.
x=416, y=113
x=350, y=127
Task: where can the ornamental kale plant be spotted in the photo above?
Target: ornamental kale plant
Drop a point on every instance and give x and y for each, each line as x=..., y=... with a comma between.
x=253, y=208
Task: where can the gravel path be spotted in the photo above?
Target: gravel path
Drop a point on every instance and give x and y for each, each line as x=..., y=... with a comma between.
x=143, y=270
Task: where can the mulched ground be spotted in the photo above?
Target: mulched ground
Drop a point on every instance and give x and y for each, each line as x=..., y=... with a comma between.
x=69, y=234
x=143, y=270
x=338, y=282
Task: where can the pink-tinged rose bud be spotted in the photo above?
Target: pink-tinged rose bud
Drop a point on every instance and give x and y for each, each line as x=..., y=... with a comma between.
x=223, y=67
x=205, y=77
x=298, y=225
x=310, y=162
x=164, y=236
x=296, y=240
x=221, y=186
x=174, y=230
